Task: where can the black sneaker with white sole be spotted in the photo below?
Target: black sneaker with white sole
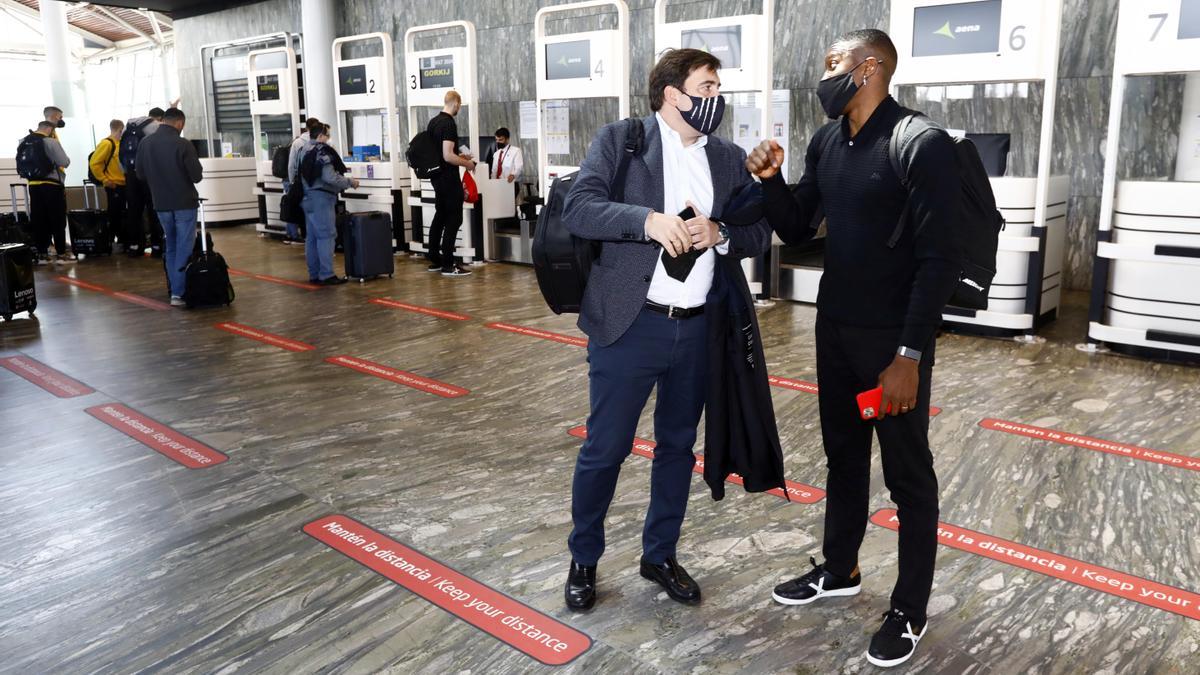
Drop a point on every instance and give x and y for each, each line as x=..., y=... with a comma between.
x=434, y=268
x=896, y=640
x=817, y=584
x=456, y=272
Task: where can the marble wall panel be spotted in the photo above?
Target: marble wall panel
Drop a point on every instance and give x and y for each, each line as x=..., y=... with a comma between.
x=803, y=31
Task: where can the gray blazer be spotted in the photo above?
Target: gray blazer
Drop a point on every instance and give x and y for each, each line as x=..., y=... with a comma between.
x=620, y=278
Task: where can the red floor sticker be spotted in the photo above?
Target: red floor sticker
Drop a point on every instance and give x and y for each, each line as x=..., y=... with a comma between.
x=153, y=434
x=46, y=377
x=543, y=334
x=120, y=295
x=396, y=304
x=1152, y=593
x=274, y=280
x=263, y=336
x=811, y=388
x=796, y=492
x=1098, y=444
x=399, y=376
x=516, y=624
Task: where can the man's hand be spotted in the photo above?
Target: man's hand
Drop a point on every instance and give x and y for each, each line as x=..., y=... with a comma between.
x=512, y=177
x=899, y=381
x=703, y=231
x=670, y=231
x=764, y=161
x=354, y=183
x=109, y=184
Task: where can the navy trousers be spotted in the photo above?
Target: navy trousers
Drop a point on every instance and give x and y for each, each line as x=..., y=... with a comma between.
x=656, y=351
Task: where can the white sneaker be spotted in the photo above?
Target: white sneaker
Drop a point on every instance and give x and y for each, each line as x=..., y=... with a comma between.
x=177, y=301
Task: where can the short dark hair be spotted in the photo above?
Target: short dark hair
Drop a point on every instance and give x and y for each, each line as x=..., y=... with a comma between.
x=503, y=131
x=156, y=113
x=51, y=109
x=877, y=41
x=321, y=129
x=673, y=70
x=173, y=114
x=312, y=123
x=45, y=125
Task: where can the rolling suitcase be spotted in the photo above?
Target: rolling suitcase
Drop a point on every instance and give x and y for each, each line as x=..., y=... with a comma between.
x=89, y=227
x=207, y=275
x=16, y=280
x=15, y=227
x=368, y=245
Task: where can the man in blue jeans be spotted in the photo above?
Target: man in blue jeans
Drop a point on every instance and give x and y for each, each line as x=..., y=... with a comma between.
x=169, y=164
x=324, y=176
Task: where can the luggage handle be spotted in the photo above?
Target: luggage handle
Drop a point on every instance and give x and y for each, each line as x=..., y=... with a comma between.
x=203, y=234
x=12, y=191
x=95, y=192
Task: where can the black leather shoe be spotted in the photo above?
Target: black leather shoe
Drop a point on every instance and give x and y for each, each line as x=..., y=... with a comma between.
x=674, y=579
x=581, y=587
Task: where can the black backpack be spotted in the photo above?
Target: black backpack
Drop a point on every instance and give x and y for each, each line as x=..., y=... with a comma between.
x=32, y=161
x=99, y=180
x=134, y=133
x=562, y=261
x=978, y=234
x=279, y=161
x=424, y=154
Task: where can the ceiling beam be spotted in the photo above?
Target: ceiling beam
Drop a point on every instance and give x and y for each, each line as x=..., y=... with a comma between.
x=162, y=19
x=116, y=20
x=158, y=36
x=17, y=9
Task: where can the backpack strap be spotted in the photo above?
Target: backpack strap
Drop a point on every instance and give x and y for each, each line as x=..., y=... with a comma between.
x=112, y=152
x=894, y=149
x=635, y=135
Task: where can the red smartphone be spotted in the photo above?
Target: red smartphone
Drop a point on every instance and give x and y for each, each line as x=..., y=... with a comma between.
x=870, y=404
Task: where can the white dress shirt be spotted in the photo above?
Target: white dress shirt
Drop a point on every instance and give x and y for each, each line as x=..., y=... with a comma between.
x=686, y=177
x=508, y=161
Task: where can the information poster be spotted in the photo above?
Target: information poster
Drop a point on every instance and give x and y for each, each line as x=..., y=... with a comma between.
x=529, y=120
x=556, y=131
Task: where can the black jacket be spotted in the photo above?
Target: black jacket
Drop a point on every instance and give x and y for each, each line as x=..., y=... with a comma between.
x=168, y=162
x=740, y=435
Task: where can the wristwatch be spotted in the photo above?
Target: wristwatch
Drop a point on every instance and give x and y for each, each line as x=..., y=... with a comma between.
x=723, y=232
x=909, y=353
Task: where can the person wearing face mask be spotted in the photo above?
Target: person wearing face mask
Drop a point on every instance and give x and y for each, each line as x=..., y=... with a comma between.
x=505, y=160
x=644, y=308
x=878, y=309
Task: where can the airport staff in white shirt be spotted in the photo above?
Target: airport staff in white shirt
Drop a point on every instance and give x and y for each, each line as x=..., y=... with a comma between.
x=507, y=162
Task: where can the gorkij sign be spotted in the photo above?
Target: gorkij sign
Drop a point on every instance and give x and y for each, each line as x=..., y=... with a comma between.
x=268, y=87
x=437, y=72
x=962, y=28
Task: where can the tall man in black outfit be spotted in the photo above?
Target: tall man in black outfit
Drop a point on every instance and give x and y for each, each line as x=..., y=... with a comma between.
x=878, y=309
x=447, y=191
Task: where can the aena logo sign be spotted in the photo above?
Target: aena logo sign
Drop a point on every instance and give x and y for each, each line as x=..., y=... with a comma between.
x=947, y=31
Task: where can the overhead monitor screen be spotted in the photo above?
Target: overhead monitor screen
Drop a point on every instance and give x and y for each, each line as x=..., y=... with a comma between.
x=268, y=87
x=352, y=80
x=568, y=60
x=1189, y=19
x=437, y=72
x=962, y=28
x=725, y=43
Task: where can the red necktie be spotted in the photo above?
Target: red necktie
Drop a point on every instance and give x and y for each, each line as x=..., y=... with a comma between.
x=500, y=164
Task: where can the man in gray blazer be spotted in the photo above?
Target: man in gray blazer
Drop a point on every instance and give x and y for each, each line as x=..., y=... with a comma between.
x=643, y=309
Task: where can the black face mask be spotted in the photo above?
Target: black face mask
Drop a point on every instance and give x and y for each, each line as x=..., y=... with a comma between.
x=62, y=123
x=706, y=113
x=501, y=146
x=835, y=93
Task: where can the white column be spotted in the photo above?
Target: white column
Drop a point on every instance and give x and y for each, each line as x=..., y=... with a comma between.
x=318, y=21
x=58, y=53
x=1187, y=159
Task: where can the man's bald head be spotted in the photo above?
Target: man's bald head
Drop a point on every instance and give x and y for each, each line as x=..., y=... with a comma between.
x=866, y=43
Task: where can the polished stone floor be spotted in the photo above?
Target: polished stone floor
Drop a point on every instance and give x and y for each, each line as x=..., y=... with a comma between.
x=116, y=559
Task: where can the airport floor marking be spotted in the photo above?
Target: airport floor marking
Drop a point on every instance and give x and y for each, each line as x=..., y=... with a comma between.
x=537, y=333
x=263, y=336
x=1089, y=443
x=1128, y=587
x=441, y=314
x=157, y=436
x=811, y=388
x=514, y=623
x=398, y=376
x=120, y=295
x=274, y=280
x=796, y=492
x=44, y=376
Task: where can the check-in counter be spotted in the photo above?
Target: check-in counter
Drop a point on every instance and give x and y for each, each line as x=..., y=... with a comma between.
x=378, y=190
x=470, y=242
x=1152, y=299
x=229, y=190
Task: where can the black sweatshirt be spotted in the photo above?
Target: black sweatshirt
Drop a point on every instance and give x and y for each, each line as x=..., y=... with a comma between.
x=851, y=181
